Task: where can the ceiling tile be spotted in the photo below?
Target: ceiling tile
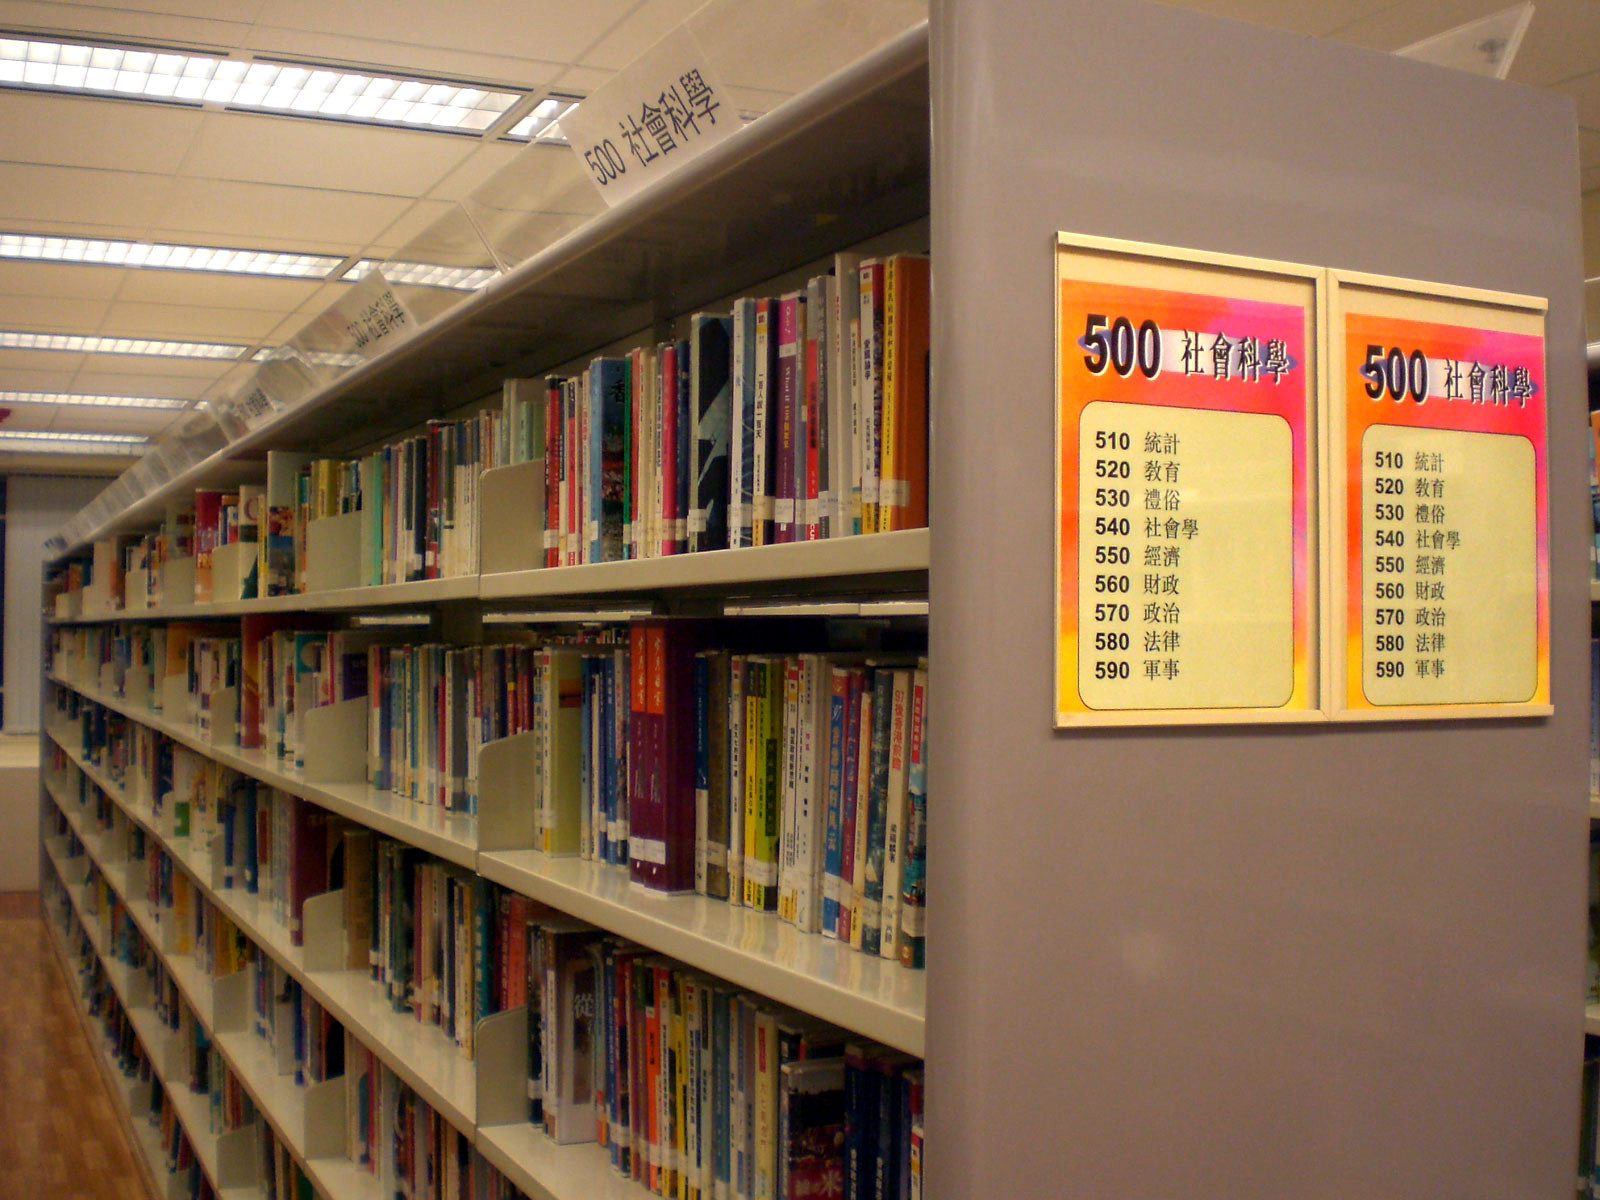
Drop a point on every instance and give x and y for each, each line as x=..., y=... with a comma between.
x=53, y=362
x=104, y=420
x=51, y=314
x=84, y=131
x=411, y=225
x=788, y=48
x=634, y=34
x=1397, y=25
x=202, y=27
x=27, y=417
x=114, y=367
x=1563, y=41
x=512, y=72
x=225, y=291
x=323, y=154
x=580, y=79
x=475, y=169
x=78, y=195
x=191, y=322
x=237, y=212
x=496, y=28
x=92, y=380
x=40, y=379
x=1585, y=89
x=61, y=280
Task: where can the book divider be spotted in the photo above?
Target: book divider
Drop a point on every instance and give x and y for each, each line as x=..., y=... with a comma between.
x=511, y=518
x=333, y=553
x=138, y=591
x=230, y=565
x=335, y=742
x=505, y=817
x=177, y=581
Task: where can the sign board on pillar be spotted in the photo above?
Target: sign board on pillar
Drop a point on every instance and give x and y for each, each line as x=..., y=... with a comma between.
x=1437, y=502
x=1186, y=391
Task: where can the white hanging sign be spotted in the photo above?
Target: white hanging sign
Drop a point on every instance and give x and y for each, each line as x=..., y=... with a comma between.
x=652, y=117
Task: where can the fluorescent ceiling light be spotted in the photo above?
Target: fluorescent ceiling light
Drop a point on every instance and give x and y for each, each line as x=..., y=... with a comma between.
x=466, y=279
x=91, y=401
x=41, y=248
x=13, y=339
x=30, y=442
x=543, y=123
x=304, y=91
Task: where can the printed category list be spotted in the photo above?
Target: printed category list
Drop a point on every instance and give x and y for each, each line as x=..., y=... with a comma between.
x=1449, y=609
x=1185, y=558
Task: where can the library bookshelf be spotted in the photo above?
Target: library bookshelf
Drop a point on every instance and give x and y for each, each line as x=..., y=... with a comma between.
x=773, y=182
x=1216, y=955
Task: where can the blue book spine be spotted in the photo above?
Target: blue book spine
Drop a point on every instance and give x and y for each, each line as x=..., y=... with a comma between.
x=721, y=1006
x=608, y=431
x=833, y=841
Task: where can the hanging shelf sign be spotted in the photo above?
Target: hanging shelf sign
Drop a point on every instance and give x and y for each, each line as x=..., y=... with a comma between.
x=656, y=114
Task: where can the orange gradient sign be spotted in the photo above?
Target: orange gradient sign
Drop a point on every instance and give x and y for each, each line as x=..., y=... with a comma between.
x=1185, y=439
x=1438, y=446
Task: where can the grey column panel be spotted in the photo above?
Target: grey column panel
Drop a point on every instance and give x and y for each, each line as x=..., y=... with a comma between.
x=1253, y=962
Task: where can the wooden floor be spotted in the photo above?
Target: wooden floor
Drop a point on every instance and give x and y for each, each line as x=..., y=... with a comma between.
x=60, y=1135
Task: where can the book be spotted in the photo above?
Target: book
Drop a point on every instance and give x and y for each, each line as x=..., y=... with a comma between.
x=710, y=348
x=742, y=425
x=787, y=413
x=811, y=1129
x=277, y=565
x=903, y=469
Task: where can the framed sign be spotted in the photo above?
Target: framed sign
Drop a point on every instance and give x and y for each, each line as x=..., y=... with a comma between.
x=1439, y=586
x=1186, y=391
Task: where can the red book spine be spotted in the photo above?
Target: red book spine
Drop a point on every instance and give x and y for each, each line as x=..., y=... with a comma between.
x=638, y=743
x=809, y=521
x=669, y=447
x=785, y=411
x=552, y=467
x=677, y=762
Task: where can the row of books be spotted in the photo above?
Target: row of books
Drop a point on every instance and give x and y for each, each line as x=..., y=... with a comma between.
x=396, y=1137
x=792, y=418
x=797, y=417
x=696, y=1089
x=792, y=783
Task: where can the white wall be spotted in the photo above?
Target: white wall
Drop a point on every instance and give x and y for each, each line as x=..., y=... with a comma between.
x=36, y=506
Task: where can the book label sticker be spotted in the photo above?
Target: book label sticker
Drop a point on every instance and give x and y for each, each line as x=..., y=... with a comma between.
x=654, y=115
x=1185, y=499
x=1438, y=505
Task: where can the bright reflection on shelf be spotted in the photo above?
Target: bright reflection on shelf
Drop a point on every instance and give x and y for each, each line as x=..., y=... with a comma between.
x=166, y=256
x=286, y=88
x=92, y=401
x=466, y=279
x=317, y=358
x=22, y=340
x=46, y=442
x=567, y=617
